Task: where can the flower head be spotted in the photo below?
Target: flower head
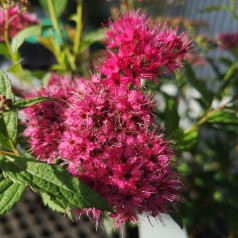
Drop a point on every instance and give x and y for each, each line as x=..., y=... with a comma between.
x=228, y=41
x=109, y=141
x=137, y=49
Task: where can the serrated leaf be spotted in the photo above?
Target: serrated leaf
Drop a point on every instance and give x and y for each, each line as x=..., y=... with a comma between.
x=5, y=86
x=55, y=181
x=226, y=116
x=23, y=103
x=10, y=119
x=53, y=205
x=10, y=193
x=5, y=140
x=59, y=6
x=20, y=37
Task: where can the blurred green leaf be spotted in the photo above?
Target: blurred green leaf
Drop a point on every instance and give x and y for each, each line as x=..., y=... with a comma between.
x=198, y=84
x=4, y=51
x=232, y=71
x=185, y=140
x=171, y=114
x=225, y=116
x=59, y=6
x=91, y=38
x=20, y=37
x=220, y=7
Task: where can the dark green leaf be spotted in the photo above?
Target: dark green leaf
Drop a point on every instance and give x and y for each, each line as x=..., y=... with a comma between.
x=5, y=140
x=55, y=181
x=10, y=193
x=10, y=119
x=53, y=205
x=171, y=114
x=198, y=85
x=177, y=218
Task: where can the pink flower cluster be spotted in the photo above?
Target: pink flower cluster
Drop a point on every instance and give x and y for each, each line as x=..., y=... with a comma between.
x=106, y=140
x=17, y=21
x=228, y=41
x=137, y=49
x=106, y=136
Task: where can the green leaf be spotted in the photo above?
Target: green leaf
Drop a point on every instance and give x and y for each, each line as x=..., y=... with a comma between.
x=4, y=51
x=225, y=116
x=55, y=181
x=185, y=140
x=23, y=103
x=171, y=114
x=177, y=218
x=5, y=86
x=15, y=68
x=232, y=71
x=5, y=140
x=91, y=38
x=20, y=37
x=10, y=193
x=59, y=6
x=220, y=7
x=53, y=205
x=10, y=119
x=198, y=85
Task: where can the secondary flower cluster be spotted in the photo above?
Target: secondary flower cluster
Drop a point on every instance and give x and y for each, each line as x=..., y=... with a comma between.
x=138, y=49
x=107, y=137
x=17, y=20
x=228, y=41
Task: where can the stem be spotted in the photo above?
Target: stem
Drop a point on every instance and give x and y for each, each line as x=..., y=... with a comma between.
x=6, y=38
x=9, y=153
x=54, y=19
x=78, y=26
x=13, y=56
x=122, y=231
